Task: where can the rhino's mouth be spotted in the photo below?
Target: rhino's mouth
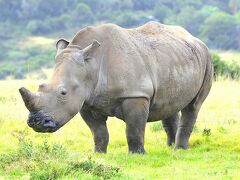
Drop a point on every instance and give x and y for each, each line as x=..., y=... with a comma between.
x=41, y=122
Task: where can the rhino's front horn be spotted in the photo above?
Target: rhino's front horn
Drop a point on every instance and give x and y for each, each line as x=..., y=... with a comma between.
x=30, y=99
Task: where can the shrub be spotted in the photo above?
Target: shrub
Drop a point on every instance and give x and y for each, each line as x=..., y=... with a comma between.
x=52, y=161
x=234, y=69
x=222, y=68
x=91, y=166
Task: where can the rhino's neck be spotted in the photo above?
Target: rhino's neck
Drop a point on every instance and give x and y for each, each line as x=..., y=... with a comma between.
x=99, y=80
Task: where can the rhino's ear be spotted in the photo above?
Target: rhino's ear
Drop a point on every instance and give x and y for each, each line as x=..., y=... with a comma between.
x=89, y=50
x=61, y=44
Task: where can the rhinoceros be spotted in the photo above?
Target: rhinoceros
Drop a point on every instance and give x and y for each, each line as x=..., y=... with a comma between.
x=139, y=75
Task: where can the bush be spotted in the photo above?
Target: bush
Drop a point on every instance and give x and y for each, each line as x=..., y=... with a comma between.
x=221, y=68
x=52, y=161
x=234, y=70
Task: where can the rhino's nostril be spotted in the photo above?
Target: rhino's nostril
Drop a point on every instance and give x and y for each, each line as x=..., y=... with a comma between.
x=46, y=121
x=49, y=123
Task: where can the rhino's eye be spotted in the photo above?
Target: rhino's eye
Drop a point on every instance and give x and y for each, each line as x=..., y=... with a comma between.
x=63, y=92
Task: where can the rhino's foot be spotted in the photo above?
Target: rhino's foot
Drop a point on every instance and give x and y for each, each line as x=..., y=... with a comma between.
x=180, y=147
x=170, y=142
x=188, y=119
x=139, y=151
x=182, y=137
x=135, y=146
x=101, y=144
x=170, y=135
x=96, y=150
x=170, y=126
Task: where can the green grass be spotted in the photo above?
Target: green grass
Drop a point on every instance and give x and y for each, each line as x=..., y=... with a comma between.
x=67, y=154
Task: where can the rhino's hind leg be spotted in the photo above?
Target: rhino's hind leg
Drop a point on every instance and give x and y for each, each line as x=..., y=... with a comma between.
x=185, y=127
x=98, y=127
x=170, y=125
x=135, y=113
x=190, y=112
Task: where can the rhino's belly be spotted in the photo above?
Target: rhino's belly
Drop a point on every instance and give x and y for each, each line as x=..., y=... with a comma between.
x=164, y=111
x=161, y=110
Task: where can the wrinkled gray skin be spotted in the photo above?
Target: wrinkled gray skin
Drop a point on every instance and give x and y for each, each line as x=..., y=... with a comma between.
x=139, y=75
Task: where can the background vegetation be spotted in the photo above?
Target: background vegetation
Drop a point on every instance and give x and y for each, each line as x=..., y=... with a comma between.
x=216, y=22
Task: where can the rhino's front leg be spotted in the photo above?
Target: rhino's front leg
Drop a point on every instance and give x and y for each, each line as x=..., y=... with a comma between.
x=135, y=113
x=98, y=127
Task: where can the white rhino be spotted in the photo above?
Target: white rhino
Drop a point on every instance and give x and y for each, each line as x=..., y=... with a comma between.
x=139, y=75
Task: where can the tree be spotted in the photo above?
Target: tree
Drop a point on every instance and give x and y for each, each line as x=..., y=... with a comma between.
x=143, y=4
x=10, y=10
x=83, y=14
x=161, y=11
x=194, y=23
x=129, y=19
x=220, y=31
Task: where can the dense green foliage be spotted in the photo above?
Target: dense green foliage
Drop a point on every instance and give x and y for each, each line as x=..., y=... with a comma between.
x=217, y=22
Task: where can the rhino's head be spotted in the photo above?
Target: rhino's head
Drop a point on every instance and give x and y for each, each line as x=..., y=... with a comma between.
x=58, y=101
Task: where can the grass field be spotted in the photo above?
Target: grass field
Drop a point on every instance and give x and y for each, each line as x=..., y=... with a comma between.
x=67, y=154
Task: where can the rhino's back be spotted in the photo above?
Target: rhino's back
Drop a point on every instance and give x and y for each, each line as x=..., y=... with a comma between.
x=163, y=63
